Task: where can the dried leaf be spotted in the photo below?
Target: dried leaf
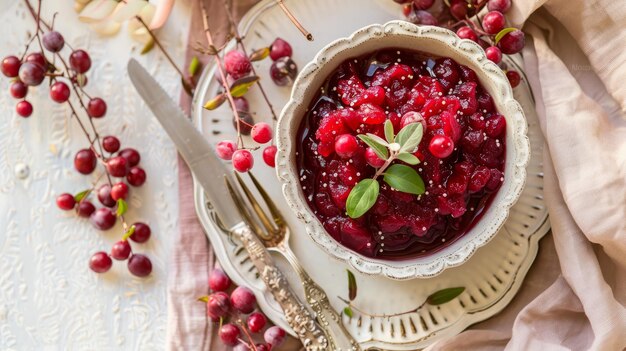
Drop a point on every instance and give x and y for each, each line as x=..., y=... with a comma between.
x=215, y=102
x=241, y=86
x=260, y=54
x=97, y=10
x=212, y=50
x=445, y=295
x=188, y=88
x=351, y=285
x=149, y=46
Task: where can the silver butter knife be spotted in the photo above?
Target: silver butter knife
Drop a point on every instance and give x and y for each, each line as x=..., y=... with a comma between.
x=208, y=171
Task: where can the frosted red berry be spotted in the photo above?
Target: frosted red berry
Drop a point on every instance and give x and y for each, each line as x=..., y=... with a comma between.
x=225, y=149
x=142, y=233
x=218, y=280
x=269, y=155
x=136, y=176
x=104, y=195
x=85, y=208
x=110, y=144
x=494, y=54
x=441, y=146
x=422, y=17
x=139, y=265
x=218, y=304
x=243, y=299
x=346, y=145
x=284, y=71
x=80, y=61
x=261, y=133
x=243, y=160
x=18, y=89
x=10, y=66
x=85, y=161
x=53, y=41
x=493, y=22
x=229, y=334
x=24, y=109
x=274, y=336
x=499, y=5
x=256, y=322
x=96, y=107
x=100, y=262
x=131, y=155
x=237, y=64
x=372, y=158
x=512, y=42
x=117, y=166
x=59, y=92
x=466, y=32
x=37, y=58
x=103, y=219
x=32, y=74
x=119, y=191
x=66, y=202
x=514, y=78
x=280, y=48
x=121, y=250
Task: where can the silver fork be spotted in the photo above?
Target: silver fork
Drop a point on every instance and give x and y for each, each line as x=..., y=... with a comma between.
x=274, y=232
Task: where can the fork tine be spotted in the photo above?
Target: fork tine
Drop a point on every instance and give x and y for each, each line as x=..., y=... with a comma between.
x=278, y=218
x=243, y=210
x=267, y=223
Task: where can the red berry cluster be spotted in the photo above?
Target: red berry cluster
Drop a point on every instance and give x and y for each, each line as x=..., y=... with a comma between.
x=490, y=33
x=231, y=310
x=283, y=72
x=67, y=79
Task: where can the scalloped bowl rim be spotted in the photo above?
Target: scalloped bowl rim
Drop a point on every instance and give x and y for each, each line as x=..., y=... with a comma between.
x=492, y=78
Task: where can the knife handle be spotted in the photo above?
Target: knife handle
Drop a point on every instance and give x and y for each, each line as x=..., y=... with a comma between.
x=299, y=318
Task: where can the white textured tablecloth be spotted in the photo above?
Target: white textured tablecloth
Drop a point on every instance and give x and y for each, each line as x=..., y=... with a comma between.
x=49, y=299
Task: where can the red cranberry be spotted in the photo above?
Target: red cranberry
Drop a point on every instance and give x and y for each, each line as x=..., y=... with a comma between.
x=422, y=17
x=131, y=155
x=85, y=161
x=256, y=322
x=499, y=5
x=136, y=176
x=493, y=22
x=242, y=104
x=103, y=219
x=229, y=334
x=139, y=265
x=514, y=78
x=119, y=191
x=96, y=107
x=66, y=202
x=218, y=304
x=495, y=179
x=346, y=146
x=243, y=160
x=494, y=54
x=466, y=32
x=269, y=155
x=142, y=233
x=423, y=4
x=458, y=9
x=512, y=42
x=104, y=195
x=53, y=41
x=80, y=61
x=284, y=71
x=495, y=126
x=85, y=208
x=110, y=144
x=245, y=122
x=32, y=74
x=237, y=64
x=59, y=92
x=37, y=58
x=441, y=146
x=261, y=133
x=24, y=109
x=263, y=347
x=117, y=166
x=274, y=336
x=479, y=179
x=18, y=89
x=243, y=299
x=120, y=250
x=280, y=48
x=225, y=149
x=100, y=262
x=373, y=159
x=10, y=66
x=218, y=280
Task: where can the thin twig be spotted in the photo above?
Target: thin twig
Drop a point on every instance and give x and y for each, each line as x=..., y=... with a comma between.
x=380, y=315
x=295, y=21
x=239, y=40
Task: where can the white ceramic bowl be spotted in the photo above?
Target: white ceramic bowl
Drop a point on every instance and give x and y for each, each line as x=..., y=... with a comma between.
x=437, y=41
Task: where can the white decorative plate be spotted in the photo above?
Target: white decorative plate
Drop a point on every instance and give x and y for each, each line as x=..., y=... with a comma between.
x=491, y=276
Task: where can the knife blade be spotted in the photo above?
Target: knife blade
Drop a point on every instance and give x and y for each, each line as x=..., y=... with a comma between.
x=205, y=166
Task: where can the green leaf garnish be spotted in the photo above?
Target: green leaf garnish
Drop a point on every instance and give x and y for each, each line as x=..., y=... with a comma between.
x=260, y=54
x=389, y=131
x=194, y=66
x=445, y=295
x=351, y=285
x=362, y=197
x=502, y=33
x=122, y=206
x=408, y=158
x=216, y=102
x=379, y=149
x=410, y=136
x=242, y=85
x=348, y=311
x=82, y=195
x=378, y=139
x=403, y=178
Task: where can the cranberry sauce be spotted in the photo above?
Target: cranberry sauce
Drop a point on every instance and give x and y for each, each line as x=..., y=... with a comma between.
x=358, y=98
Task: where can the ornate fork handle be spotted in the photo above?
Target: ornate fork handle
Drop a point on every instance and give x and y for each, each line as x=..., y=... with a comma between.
x=299, y=318
x=318, y=300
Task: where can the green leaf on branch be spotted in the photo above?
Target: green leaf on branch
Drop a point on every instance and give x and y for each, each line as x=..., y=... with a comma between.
x=389, y=131
x=82, y=195
x=380, y=150
x=502, y=33
x=408, y=158
x=444, y=296
x=194, y=66
x=129, y=232
x=122, y=207
x=260, y=54
x=241, y=86
x=378, y=139
x=362, y=197
x=348, y=311
x=405, y=179
x=216, y=102
x=410, y=136
x=148, y=47
x=351, y=285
